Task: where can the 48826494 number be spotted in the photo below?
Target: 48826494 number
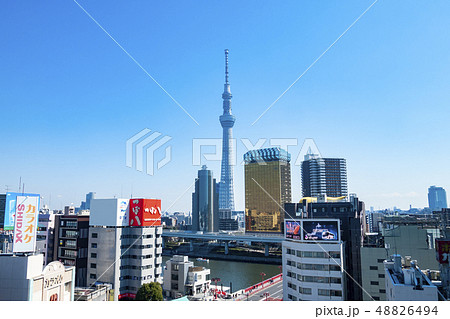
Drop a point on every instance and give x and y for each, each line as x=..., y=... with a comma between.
x=406, y=311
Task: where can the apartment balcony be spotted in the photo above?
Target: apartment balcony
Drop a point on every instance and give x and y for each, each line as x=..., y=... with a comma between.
x=159, y=250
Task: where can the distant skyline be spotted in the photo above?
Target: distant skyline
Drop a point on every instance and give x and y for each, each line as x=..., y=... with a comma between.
x=71, y=97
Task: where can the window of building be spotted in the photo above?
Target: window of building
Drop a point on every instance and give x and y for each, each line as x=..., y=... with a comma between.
x=373, y=267
x=94, y=235
x=93, y=245
x=382, y=291
x=93, y=276
x=380, y=261
x=93, y=255
x=381, y=276
x=305, y=291
x=374, y=283
x=376, y=298
x=335, y=280
x=93, y=265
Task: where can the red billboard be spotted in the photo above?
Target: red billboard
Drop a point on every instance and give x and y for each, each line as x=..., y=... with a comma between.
x=442, y=250
x=145, y=212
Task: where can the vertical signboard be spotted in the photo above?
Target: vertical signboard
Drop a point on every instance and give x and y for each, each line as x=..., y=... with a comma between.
x=10, y=209
x=145, y=212
x=442, y=250
x=25, y=223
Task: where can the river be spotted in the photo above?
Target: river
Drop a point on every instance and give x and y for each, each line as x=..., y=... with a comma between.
x=240, y=274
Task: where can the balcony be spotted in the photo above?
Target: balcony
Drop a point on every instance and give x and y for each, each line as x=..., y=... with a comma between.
x=158, y=261
x=159, y=241
x=159, y=250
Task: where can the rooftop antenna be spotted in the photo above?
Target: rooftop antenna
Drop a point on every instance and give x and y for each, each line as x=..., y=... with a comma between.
x=226, y=66
x=20, y=183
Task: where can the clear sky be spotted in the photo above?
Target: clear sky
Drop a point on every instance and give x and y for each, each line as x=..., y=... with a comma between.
x=70, y=97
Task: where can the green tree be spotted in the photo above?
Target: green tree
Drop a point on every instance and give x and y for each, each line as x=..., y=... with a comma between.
x=150, y=292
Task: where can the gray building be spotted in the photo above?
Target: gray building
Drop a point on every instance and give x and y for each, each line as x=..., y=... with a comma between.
x=437, y=198
x=205, y=202
x=324, y=176
x=417, y=241
x=182, y=278
x=126, y=257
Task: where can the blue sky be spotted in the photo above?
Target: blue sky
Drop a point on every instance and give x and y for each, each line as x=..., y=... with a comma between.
x=70, y=97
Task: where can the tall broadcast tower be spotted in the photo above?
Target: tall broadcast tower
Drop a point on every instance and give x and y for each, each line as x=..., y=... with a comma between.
x=226, y=186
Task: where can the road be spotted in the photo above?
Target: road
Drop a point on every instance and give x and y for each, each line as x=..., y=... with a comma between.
x=275, y=291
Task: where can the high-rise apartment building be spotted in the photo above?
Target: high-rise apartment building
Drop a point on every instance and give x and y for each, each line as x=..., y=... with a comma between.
x=227, y=119
x=205, y=202
x=125, y=244
x=267, y=189
x=437, y=198
x=324, y=176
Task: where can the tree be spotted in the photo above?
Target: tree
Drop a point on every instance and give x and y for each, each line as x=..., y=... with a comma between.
x=150, y=292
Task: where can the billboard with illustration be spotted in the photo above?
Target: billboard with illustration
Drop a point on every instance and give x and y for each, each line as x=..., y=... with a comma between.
x=293, y=229
x=312, y=229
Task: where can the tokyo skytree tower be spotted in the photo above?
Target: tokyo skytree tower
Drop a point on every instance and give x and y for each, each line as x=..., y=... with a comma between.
x=226, y=186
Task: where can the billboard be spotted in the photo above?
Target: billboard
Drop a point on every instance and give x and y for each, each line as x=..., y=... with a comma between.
x=293, y=229
x=320, y=230
x=109, y=212
x=145, y=212
x=10, y=208
x=25, y=223
x=312, y=229
x=442, y=250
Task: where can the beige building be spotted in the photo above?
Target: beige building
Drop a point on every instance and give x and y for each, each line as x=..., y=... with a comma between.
x=22, y=278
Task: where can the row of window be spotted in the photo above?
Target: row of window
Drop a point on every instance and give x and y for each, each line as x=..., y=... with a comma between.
x=135, y=256
x=135, y=246
x=320, y=292
x=321, y=267
x=136, y=267
x=318, y=279
x=135, y=236
x=148, y=277
x=313, y=254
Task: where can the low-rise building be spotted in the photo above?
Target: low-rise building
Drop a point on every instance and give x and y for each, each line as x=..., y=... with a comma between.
x=182, y=278
x=99, y=292
x=23, y=278
x=407, y=282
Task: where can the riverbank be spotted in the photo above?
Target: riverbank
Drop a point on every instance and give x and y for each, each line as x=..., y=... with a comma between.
x=250, y=258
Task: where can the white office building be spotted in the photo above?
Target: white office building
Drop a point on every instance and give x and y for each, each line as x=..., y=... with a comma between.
x=313, y=266
x=125, y=256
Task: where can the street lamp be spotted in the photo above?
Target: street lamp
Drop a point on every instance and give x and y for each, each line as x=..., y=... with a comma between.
x=215, y=280
x=262, y=277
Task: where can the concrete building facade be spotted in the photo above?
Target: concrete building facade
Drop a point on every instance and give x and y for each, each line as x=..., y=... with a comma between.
x=23, y=278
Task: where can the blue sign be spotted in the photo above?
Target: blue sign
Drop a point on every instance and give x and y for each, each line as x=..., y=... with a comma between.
x=10, y=208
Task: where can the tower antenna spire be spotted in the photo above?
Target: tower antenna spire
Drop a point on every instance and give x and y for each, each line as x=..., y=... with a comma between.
x=226, y=66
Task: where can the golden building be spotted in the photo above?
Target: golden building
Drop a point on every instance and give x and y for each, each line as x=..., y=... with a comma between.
x=267, y=188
